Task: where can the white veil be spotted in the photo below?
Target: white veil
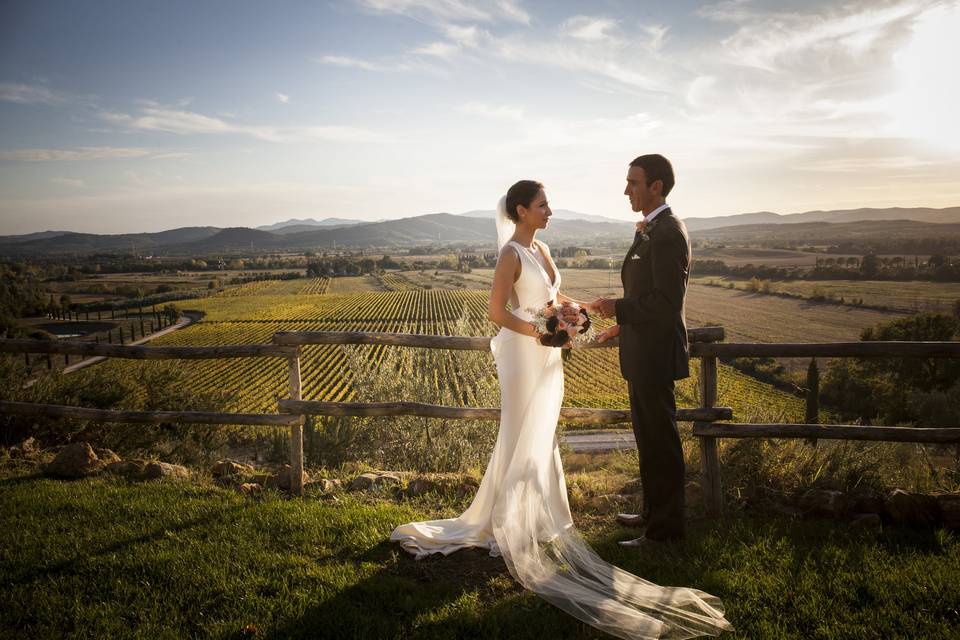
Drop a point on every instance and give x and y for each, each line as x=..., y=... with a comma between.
x=505, y=226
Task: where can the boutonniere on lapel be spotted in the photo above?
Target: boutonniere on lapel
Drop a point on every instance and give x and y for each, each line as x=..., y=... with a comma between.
x=644, y=229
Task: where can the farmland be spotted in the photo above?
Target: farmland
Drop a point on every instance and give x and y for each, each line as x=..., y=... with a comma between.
x=252, y=313
x=747, y=317
x=907, y=297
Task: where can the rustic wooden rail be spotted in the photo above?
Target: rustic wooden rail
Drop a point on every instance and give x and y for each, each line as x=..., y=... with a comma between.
x=704, y=344
x=941, y=435
x=458, y=343
x=144, y=417
x=567, y=414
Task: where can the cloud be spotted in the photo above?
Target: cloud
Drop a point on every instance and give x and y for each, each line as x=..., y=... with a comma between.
x=30, y=94
x=347, y=61
x=588, y=28
x=438, y=49
x=69, y=182
x=444, y=11
x=79, y=153
x=781, y=40
x=488, y=111
x=158, y=118
x=282, y=97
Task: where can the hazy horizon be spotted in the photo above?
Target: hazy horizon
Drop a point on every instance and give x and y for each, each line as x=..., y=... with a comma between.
x=122, y=118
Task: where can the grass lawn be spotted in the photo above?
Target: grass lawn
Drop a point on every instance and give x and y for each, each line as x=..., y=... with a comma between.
x=103, y=558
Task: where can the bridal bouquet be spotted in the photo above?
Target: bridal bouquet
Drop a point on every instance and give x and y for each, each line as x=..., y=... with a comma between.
x=562, y=326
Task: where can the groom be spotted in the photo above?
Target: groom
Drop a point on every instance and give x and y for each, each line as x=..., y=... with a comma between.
x=653, y=345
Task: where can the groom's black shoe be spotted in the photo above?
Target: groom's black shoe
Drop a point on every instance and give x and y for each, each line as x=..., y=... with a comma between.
x=648, y=543
x=633, y=520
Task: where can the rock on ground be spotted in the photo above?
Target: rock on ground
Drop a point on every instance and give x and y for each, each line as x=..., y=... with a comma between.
x=76, y=460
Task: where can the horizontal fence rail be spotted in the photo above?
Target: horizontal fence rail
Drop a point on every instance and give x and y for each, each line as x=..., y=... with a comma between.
x=457, y=343
x=145, y=417
x=940, y=435
x=146, y=353
x=705, y=344
x=868, y=349
x=567, y=414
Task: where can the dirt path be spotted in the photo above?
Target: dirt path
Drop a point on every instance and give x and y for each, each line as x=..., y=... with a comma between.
x=185, y=320
x=600, y=440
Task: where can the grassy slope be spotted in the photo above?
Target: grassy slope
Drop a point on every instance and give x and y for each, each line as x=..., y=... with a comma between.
x=102, y=558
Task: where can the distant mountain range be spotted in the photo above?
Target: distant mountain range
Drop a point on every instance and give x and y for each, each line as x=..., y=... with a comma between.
x=293, y=225
x=558, y=214
x=475, y=228
x=919, y=214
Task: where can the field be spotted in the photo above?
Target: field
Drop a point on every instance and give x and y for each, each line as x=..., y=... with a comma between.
x=252, y=313
x=907, y=297
x=104, y=558
x=747, y=317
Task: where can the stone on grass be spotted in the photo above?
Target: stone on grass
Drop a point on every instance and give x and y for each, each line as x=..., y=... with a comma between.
x=76, y=460
x=632, y=487
x=824, y=502
x=281, y=479
x=249, y=488
x=325, y=485
x=107, y=456
x=225, y=468
x=866, y=501
x=165, y=470
x=126, y=467
x=468, y=487
x=26, y=449
x=373, y=481
x=912, y=509
x=949, y=504
x=866, y=521
x=420, y=486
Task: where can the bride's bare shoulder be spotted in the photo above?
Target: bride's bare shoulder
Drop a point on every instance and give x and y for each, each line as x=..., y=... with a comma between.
x=509, y=252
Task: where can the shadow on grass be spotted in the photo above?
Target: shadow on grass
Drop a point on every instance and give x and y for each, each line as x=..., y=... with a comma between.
x=75, y=564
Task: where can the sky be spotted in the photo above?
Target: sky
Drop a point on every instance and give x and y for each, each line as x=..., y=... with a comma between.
x=120, y=116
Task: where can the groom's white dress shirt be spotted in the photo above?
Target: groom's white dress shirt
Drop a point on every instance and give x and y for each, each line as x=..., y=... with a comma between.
x=653, y=214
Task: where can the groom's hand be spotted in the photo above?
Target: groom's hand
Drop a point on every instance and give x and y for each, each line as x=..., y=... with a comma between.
x=612, y=332
x=604, y=307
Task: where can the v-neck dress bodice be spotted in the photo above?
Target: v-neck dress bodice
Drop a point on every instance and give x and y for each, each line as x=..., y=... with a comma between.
x=533, y=289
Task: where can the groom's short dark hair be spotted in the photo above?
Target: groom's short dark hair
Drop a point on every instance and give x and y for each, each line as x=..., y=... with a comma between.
x=656, y=167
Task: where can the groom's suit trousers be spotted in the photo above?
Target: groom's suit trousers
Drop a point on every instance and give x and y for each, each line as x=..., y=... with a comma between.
x=653, y=411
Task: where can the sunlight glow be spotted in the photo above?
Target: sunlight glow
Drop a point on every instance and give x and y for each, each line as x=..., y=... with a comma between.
x=926, y=105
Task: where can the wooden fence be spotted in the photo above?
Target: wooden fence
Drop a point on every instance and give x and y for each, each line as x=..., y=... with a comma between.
x=709, y=420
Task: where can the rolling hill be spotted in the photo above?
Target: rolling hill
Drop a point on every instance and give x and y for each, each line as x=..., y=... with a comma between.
x=476, y=229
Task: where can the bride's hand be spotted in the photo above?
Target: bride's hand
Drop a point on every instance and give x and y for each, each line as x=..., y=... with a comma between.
x=612, y=332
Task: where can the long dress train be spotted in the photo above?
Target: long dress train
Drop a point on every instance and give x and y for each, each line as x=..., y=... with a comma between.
x=521, y=512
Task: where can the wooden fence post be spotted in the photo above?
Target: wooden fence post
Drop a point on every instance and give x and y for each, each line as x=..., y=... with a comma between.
x=296, y=429
x=813, y=397
x=709, y=451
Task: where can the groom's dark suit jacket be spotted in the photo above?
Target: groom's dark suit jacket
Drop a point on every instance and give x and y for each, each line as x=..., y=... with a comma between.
x=653, y=329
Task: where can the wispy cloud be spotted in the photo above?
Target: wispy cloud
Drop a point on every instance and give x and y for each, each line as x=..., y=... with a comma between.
x=159, y=118
x=588, y=28
x=451, y=10
x=488, y=111
x=74, y=183
x=438, y=49
x=786, y=40
x=283, y=98
x=30, y=94
x=348, y=61
x=79, y=153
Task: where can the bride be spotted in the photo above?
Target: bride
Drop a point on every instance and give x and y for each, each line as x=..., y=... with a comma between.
x=521, y=510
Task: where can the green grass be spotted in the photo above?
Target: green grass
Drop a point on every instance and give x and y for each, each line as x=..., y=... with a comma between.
x=102, y=558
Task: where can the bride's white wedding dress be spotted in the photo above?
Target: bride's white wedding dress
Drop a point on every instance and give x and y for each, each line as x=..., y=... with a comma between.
x=521, y=512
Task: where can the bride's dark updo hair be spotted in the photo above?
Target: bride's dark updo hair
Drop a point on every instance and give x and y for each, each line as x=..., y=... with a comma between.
x=522, y=192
